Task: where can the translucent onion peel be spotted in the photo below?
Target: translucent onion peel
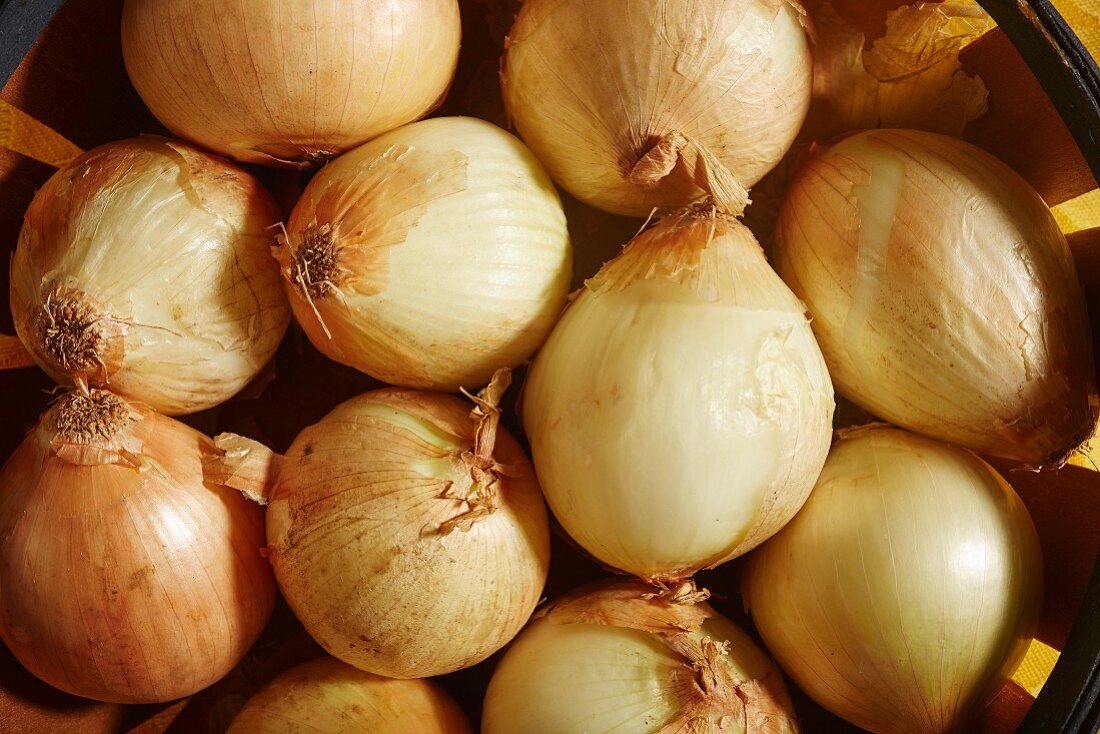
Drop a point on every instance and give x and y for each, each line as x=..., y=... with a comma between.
x=326, y=695
x=911, y=77
x=408, y=533
x=680, y=411
x=619, y=658
x=905, y=592
x=123, y=576
x=658, y=103
x=943, y=294
x=430, y=256
x=145, y=265
x=289, y=83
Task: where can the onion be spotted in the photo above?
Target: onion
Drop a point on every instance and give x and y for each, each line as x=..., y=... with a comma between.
x=658, y=103
x=942, y=292
x=327, y=695
x=289, y=83
x=123, y=577
x=906, y=591
x=408, y=534
x=618, y=659
x=145, y=264
x=680, y=412
x=430, y=256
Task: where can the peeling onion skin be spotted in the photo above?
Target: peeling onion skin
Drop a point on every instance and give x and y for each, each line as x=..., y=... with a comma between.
x=905, y=593
x=616, y=660
x=430, y=256
x=289, y=82
x=145, y=265
x=326, y=695
x=948, y=305
x=358, y=534
x=124, y=583
x=593, y=85
x=680, y=411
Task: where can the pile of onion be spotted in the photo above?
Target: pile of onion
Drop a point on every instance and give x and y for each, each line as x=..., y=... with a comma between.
x=145, y=265
x=619, y=658
x=408, y=534
x=290, y=84
x=680, y=411
x=905, y=593
x=658, y=103
x=326, y=695
x=123, y=576
x=430, y=256
x=943, y=293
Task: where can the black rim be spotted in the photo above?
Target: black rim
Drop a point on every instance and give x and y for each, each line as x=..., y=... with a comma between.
x=1070, y=701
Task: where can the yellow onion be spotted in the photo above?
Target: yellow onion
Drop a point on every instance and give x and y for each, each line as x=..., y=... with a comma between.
x=326, y=695
x=906, y=591
x=408, y=533
x=123, y=577
x=145, y=265
x=619, y=659
x=289, y=83
x=636, y=104
x=680, y=411
x=942, y=292
x=430, y=256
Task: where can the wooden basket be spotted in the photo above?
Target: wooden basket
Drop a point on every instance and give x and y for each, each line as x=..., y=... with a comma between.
x=61, y=64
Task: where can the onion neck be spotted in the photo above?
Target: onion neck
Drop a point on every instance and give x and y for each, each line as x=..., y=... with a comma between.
x=93, y=428
x=679, y=160
x=481, y=494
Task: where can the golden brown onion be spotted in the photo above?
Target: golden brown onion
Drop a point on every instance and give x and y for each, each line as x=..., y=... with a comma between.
x=123, y=577
x=906, y=591
x=619, y=659
x=327, y=696
x=289, y=82
x=409, y=534
x=680, y=411
x=431, y=256
x=942, y=292
x=636, y=104
x=145, y=265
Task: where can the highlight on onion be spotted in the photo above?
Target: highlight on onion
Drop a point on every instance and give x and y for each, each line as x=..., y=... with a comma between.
x=289, y=83
x=658, y=103
x=680, y=411
x=943, y=294
x=430, y=256
x=619, y=659
x=326, y=695
x=408, y=533
x=123, y=577
x=145, y=265
x=906, y=591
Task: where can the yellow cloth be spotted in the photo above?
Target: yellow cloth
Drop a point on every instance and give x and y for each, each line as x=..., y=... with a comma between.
x=1036, y=667
x=23, y=134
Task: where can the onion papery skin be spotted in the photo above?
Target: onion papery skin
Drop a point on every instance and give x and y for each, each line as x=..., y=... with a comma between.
x=942, y=292
x=596, y=86
x=906, y=591
x=431, y=256
x=378, y=555
x=680, y=411
x=123, y=577
x=289, y=82
x=615, y=659
x=145, y=265
x=326, y=695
